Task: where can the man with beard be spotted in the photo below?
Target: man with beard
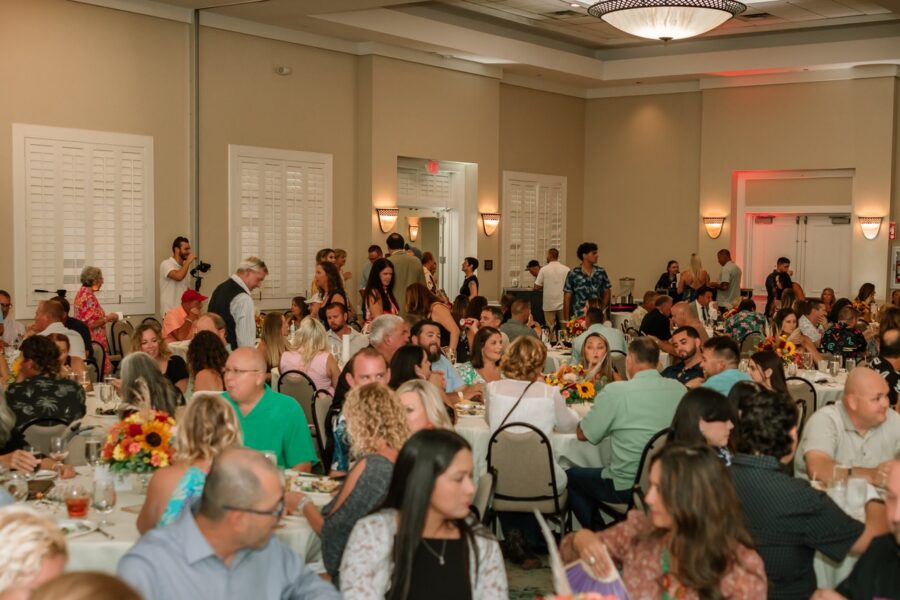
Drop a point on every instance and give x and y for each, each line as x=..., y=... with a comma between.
x=873, y=576
x=336, y=314
x=173, y=275
x=686, y=342
x=427, y=334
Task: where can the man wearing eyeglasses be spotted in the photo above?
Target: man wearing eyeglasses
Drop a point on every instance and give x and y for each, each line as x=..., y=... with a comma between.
x=269, y=421
x=10, y=329
x=223, y=548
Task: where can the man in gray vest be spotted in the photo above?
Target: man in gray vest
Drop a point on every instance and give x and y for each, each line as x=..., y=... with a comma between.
x=231, y=299
x=407, y=269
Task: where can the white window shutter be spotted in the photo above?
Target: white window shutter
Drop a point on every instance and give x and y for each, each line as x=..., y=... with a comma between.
x=84, y=198
x=281, y=212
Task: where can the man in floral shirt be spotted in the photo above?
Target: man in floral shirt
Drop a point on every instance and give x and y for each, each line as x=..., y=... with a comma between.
x=844, y=338
x=887, y=363
x=745, y=321
x=585, y=282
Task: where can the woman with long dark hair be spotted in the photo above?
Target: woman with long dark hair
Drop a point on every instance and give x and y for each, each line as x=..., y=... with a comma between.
x=863, y=301
x=704, y=416
x=409, y=362
x=692, y=543
x=484, y=363
x=328, y=279
x=768, y=370
x=206, y=358
x=423, y=543
x=422, y=303
x=379, y=292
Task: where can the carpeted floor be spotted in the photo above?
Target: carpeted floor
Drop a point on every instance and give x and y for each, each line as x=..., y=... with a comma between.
x=528, y=585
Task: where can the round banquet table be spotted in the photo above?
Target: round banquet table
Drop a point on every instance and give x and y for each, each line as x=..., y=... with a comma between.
x=829, y=389
x=571, y=452
x=95, y=552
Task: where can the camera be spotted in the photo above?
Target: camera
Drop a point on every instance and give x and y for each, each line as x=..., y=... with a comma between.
x=202, y=267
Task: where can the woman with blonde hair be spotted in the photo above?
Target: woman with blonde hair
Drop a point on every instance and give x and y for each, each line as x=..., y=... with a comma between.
x=425, y=409
x=274, y=341
x=310, y=354
x=692, y=280
x=148, y=338
x=376, y=424
x=208, y=426
x=523, y=397
x=32, y=551
x=85, y=585
x=596, y=360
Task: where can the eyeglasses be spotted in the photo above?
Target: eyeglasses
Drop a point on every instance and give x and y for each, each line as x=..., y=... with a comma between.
x=229, y=371
x=275, y=512
x=5, y=305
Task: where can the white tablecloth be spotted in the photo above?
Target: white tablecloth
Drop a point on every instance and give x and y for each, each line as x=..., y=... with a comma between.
x=571, y=452
x=97, y=553
x=828, y=391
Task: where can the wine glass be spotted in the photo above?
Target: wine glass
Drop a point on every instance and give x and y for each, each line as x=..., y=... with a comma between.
x=59, y=451
x=103, y=499
x=36, y=452
x=92, y=452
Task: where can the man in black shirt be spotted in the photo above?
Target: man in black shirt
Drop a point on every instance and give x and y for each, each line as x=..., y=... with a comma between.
x=656, y=322
x=777, y=281
x=887, y=362
x=688, y=371
x=877, y=574
x=788, y=519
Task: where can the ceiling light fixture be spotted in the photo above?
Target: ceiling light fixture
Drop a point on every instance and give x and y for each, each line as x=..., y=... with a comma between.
x=666, y=19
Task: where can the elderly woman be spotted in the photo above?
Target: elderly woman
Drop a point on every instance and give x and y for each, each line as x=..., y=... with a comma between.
x=141, y=378
x=148, y=338
x=523, y=397
x=376, y=423
x=40, y=392
x=208, y=426
x=88, y=309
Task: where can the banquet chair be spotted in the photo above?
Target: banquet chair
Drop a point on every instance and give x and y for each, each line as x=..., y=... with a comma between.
x=37, y=432
x=301, y=388
x=526, y=478
x=321, y=406
x=634, y=333
x=801, y=389
x=749, y=343
x=117, y=352
x=803, y=413
x=482, y=503
x=152, y=320
x=99, y=356
x=618, y=361
x=617, y=511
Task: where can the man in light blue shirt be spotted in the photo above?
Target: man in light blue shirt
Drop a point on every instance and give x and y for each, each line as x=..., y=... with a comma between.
x=615, y=339
x=720, y=358
x=427, y=333
x=225, y=549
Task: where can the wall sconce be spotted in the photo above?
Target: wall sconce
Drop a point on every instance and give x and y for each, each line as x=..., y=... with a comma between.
x=413, y=232
x=713, y=226
x=870, y=226
x=387, y=218
x=490, y=221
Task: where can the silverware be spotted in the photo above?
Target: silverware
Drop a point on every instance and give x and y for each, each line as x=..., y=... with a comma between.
x=105, y=534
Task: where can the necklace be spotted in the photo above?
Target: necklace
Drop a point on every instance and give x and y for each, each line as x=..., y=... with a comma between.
x=440, y=556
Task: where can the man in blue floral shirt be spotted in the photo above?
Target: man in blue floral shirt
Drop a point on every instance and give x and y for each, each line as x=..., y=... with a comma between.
x=844, y=338
x=746, y=320
x=585, y=283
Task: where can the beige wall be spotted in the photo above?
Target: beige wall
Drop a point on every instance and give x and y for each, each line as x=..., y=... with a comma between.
x=642, y=158
x=72, y=65
x=825, y=191
x=544, y=133
x=813, y=126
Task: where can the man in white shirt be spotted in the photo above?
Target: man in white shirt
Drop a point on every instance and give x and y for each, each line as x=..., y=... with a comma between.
x=48, y=318
x=810, y=323
x=551, y=279
x=173, y=275
x=10, y=329
x=641, y=311
x=336, y=314
x=729, y=284
x=232, y=301
x=703, y=308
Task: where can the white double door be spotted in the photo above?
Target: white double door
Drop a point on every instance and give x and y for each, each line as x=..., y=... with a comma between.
x=817, y=245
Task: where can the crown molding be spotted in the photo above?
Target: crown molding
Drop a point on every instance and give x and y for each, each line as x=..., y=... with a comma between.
x=145, y=7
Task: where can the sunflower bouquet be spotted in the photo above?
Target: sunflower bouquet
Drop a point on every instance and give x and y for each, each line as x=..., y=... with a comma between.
x=572, y=383
x=785, y=350
x=140, y=443
x=574, y=326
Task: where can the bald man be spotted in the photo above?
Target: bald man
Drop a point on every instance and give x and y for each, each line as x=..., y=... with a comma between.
x=682, y=316
x=224, y=548
x=269, y=421
x=860, y=432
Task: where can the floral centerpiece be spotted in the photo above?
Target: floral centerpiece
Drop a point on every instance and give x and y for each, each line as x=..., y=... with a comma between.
x=574, y=326
x=15, y=369
x=572, y=384
x=785, y=350
x=141, y=443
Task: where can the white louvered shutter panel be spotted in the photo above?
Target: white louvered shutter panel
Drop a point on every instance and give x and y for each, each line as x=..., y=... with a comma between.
x=550, y=219
x=407, y=186
x=282, y=209
x=84, y=198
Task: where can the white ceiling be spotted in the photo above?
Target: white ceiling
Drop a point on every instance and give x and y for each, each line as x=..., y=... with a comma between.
x=546, y=43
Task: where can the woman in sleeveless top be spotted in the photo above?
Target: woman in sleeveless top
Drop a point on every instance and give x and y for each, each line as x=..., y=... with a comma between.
x=209, y=426
x=421, y=302
x=379, y=292
x=469, y=287
x=309, y=353
x=329, y=281
x=692, y=280
x=206, y=357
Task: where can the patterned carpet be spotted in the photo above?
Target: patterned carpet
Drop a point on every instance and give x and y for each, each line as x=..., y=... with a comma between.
x=528, y=585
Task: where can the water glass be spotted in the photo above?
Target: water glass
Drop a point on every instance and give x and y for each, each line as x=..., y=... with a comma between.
x=856, y=495
x=840, y=475
x=103, y=499
x=823, y=365
x=17, y=486
x=851, y=364
x=744, y=364
x=92, y=449
x=835, y=367
x=36, y=452
x=59, y=450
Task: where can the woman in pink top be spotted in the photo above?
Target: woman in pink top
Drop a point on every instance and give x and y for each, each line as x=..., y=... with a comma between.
x=309, y=353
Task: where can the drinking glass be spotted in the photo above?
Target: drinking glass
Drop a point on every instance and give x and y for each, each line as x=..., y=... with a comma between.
x=823, y=366
x=104, y=499
x=851, y=364
x=856, y=495
x=77, y=500
x=36, y=452
x=17, y=486
x=744, y=364
x=92, y=449
x=59, y=451
x=835, y=367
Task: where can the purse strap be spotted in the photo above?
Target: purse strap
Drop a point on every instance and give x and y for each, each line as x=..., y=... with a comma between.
x=512, y=410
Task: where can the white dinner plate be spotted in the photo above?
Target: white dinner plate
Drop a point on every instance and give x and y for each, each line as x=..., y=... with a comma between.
x=44, y=475
x=76, y=527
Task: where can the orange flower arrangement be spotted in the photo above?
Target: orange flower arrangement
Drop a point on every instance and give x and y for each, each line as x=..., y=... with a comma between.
x=571, y=383
x=140, y=443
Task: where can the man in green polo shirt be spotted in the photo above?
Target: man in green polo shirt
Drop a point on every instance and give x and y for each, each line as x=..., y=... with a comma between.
x=629, y=413
x=269, y=421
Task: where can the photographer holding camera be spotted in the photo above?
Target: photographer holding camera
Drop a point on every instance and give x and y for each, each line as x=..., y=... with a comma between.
x=173, y=275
